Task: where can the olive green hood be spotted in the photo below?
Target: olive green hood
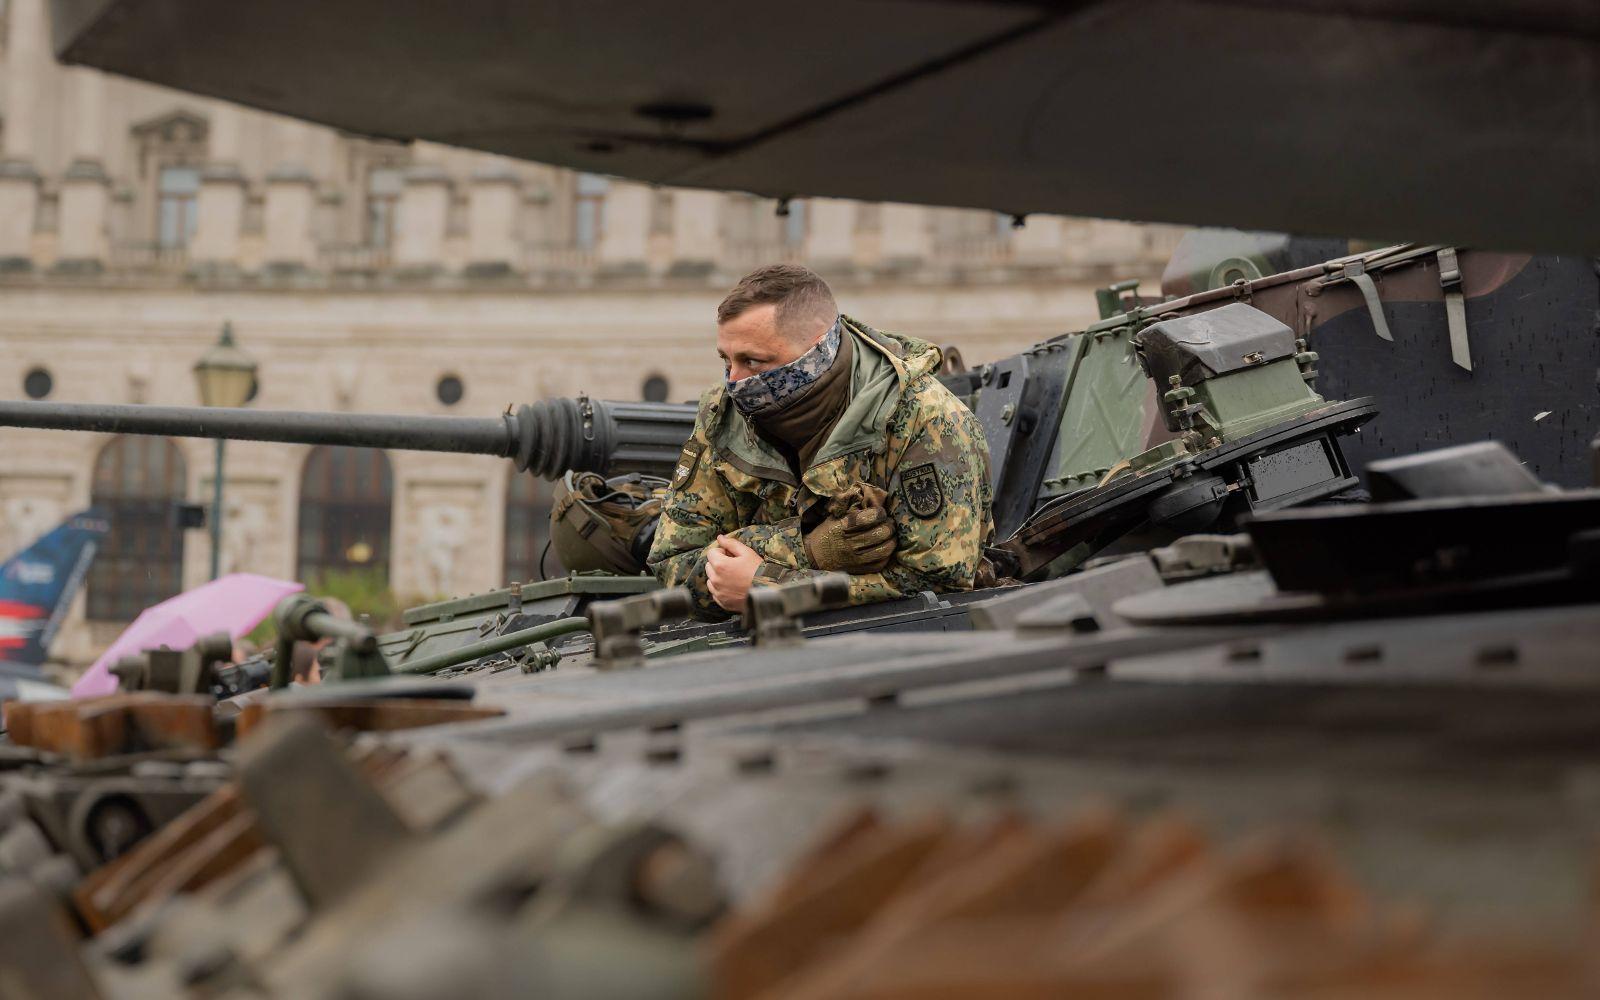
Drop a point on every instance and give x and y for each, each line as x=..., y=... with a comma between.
x=883, y=365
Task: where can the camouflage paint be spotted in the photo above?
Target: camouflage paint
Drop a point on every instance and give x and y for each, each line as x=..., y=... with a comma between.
x=904, y=433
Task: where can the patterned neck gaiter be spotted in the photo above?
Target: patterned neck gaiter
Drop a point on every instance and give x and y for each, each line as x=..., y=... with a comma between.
x=767, y=393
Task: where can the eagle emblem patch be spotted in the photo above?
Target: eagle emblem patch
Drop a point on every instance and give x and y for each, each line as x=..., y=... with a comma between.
x=921, y=489
x=686, y=462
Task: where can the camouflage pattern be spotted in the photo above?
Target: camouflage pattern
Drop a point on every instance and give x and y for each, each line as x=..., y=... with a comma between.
x=769, y=392
x=903, y=432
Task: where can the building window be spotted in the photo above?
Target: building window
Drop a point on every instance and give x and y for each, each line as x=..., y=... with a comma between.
x=170, y=149
x=588, y=210
x=449, y=390
x=346, y=498
x=384, y=185
x=655, y=389
x=138, y=482
x=38, y=383
x=528, y=531
x=177, y=194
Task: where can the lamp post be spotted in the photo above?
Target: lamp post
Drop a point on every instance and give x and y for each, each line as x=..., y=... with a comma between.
x=225, y=375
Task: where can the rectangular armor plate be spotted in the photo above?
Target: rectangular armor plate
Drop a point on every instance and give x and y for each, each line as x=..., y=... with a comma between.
x=1280, y=473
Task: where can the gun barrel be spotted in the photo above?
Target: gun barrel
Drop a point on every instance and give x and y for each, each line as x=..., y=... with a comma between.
x=547, y=438
x=357, y=637
x=370, y=430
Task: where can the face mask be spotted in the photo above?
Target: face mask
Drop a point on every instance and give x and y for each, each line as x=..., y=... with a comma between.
x=765, y=393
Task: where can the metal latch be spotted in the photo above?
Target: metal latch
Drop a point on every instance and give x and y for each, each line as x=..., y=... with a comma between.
x=772, y=614
x=1455, y=307
x=616, y=625
x=354, y=648
x=1356, y=272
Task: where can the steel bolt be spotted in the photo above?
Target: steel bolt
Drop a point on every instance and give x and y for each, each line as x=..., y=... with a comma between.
x=680, y=883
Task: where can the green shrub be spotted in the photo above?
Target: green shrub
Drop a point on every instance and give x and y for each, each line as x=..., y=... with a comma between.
x=365, y=591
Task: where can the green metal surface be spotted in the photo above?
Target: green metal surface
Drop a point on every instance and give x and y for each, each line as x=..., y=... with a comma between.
x=1103, y=420
x=1162, y=454
x=443, y=628
x=654, y=649
x=531, y=593
x=1256, y=398
x=351, y=663
x=495, y=644
x=1109, y=298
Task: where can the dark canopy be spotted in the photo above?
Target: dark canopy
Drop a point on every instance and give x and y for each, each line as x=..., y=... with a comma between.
x=1461, y=120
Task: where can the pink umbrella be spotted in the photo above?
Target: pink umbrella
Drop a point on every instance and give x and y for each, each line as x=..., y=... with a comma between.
x=236, y=603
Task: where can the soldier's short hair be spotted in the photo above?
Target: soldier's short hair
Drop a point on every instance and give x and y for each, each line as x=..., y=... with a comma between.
x=799, y=293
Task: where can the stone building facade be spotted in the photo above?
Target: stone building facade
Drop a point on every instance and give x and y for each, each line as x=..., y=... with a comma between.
x=374, y=276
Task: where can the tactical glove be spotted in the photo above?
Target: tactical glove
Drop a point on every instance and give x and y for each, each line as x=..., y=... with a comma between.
x=858, y=535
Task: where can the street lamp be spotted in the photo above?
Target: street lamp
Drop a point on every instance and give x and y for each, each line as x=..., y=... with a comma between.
x=225, y=375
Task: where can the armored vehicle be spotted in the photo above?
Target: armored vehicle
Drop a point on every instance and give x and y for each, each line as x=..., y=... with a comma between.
x=1241, y=664
x=1215, y=736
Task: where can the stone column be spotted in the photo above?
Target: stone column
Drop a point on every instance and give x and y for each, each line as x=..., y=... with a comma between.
x=420, y=223
x=904, y=239
x=624, y=241
x=26, y=58
x=492, y=223
x=291, y=194
x=1119, y=242
x=1039, y=243
x=85, y=188
x=830, y=233
x=215, y=247
x=696, y=232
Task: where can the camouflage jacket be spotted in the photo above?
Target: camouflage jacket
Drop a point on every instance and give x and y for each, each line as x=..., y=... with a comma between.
x=902, y=431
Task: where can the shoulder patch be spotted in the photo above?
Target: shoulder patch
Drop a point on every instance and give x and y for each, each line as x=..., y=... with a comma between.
x=686, y=463
x=920, y=487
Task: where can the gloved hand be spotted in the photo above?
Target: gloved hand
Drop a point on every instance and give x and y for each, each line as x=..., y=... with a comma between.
x=857, y=536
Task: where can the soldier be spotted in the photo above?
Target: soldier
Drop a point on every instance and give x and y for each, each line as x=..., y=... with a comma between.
x=831, y=446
